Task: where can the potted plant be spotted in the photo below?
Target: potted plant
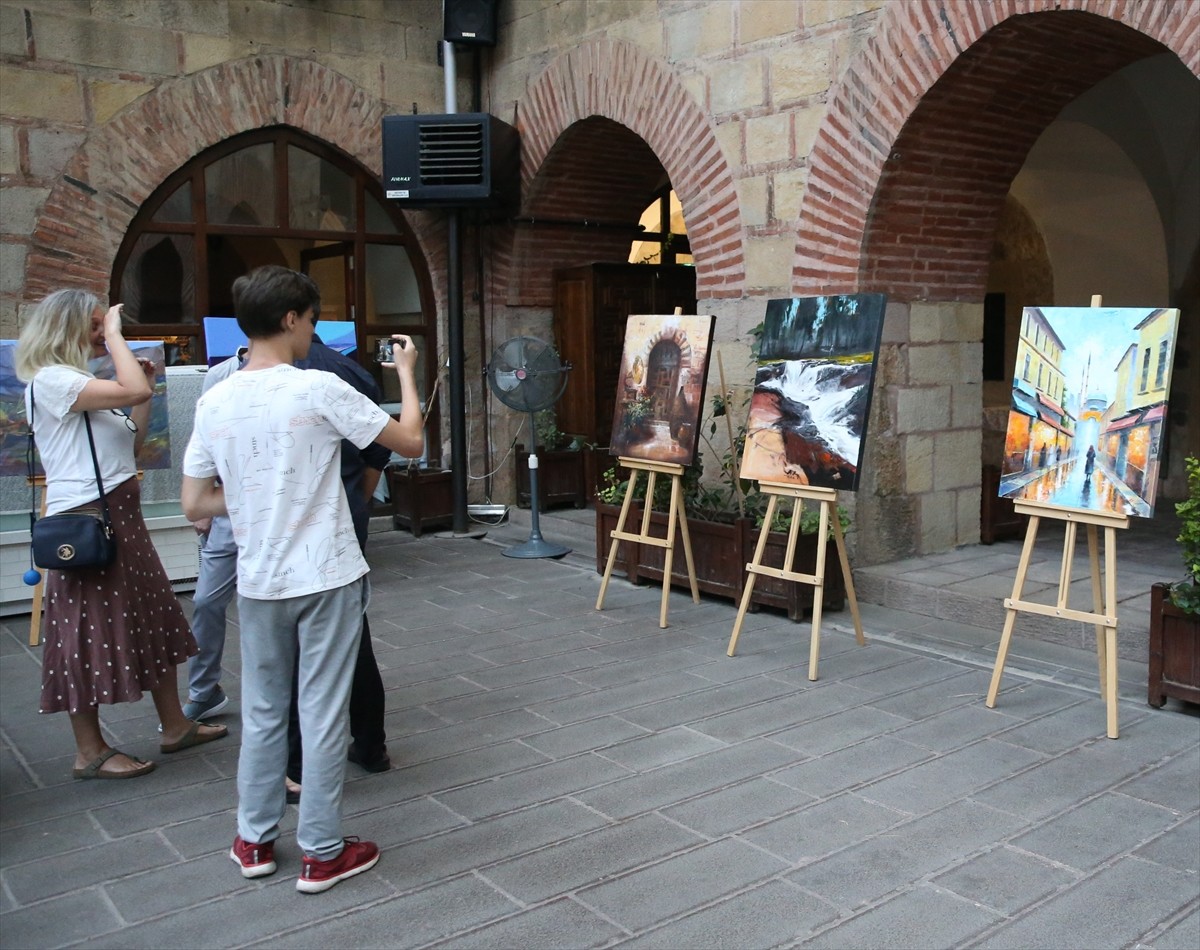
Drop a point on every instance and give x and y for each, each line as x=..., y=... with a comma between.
x=561, y=469
x=420, y=496
x=1175, y=611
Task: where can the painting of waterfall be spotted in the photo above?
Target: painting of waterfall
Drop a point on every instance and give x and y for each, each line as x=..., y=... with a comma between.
x=812, y=390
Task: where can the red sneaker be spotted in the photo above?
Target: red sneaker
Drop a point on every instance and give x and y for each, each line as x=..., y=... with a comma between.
x=356, y=857
x=257, y=860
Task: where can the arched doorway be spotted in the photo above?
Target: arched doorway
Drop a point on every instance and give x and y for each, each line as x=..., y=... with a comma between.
x=914, y=207
x=274, y=196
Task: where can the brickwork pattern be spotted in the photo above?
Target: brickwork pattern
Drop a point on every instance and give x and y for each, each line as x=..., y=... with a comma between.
x=909, y=171
x=88, y=212
x=622, y=83
x=598, y=172
x=572, y=778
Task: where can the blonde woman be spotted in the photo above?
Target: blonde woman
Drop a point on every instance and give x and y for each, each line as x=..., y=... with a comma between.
x=111, y=633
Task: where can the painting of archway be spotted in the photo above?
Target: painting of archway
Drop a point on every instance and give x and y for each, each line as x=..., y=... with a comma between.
x=660, y=388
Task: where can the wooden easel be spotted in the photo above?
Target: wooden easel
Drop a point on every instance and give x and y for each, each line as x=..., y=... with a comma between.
x=1104, y=614
x=675, y=516
x=35, y=617
x=827, y=499
x=1104, y=601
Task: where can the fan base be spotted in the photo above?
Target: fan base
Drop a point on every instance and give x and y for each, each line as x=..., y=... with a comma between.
x=536, y=548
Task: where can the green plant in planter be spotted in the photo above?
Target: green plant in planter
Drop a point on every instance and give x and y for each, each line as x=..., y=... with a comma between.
x=547, y=435
x=615, y=487
x=1186, y=593
x=734, y=493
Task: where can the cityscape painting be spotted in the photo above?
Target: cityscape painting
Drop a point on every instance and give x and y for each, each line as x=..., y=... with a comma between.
x=660, y=388
x=1089, y=405
x=812, y=390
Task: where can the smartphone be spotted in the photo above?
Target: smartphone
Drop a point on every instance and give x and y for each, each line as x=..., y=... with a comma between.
x=383, y=349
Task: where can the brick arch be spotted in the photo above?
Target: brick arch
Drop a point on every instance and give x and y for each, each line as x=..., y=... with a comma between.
x=598, y=171
x=927, y=129
x=87, y=213
x=618, y=81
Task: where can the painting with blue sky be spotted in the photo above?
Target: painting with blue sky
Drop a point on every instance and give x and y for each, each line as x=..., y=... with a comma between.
x=1089, y=404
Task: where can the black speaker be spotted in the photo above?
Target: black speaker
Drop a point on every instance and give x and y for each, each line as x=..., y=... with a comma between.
x=470, y=22
x=460, y=160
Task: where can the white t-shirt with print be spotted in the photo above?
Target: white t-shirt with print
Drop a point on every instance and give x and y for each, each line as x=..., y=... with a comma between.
x=62, y=441
x=273, y=437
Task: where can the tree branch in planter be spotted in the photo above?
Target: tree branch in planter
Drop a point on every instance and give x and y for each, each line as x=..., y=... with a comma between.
x=726, y=395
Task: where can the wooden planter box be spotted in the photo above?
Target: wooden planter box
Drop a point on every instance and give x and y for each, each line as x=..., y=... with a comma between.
x=420, y=497
x=1174, y=650
x=561, y=477
x=721, y=551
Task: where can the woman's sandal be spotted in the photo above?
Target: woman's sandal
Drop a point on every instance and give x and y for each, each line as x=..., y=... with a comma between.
x=92, y=769
x=193, y=737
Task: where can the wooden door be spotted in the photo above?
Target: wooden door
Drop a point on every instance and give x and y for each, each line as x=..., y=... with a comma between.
x=591, y=306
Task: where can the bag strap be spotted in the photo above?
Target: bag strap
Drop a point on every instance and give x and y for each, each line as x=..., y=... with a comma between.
x=95, y=463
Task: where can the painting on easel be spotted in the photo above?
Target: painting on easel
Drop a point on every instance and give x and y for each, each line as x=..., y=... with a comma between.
x=660, y=389
x=812, y=390
x=1089, y=404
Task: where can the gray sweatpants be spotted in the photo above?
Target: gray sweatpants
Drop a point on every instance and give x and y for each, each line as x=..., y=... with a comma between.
x=325, y=629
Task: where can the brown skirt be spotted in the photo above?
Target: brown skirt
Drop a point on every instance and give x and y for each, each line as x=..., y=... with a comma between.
x=112, y=632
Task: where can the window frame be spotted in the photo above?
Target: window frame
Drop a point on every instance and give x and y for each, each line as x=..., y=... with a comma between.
x=201, y=230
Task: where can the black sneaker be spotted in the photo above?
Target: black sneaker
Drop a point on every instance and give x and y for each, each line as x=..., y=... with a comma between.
x=376, y=763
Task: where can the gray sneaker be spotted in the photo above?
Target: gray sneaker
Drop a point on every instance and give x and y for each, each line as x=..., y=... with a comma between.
x=203, y=709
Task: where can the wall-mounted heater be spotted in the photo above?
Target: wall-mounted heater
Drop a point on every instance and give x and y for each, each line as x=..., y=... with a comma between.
x=461, y=160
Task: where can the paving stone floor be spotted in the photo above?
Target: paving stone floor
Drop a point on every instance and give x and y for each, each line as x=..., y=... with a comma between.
x=572, y=778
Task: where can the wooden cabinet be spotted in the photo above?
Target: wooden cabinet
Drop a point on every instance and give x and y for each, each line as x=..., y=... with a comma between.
x=591, y=305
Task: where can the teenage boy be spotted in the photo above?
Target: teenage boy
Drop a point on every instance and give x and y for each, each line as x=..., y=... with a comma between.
x=272, y=434
x=361, y=471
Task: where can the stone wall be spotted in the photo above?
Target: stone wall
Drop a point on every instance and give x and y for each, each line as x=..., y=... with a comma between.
x=825, y=146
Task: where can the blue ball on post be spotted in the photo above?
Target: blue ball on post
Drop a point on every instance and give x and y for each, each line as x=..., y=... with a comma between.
x=32, y=577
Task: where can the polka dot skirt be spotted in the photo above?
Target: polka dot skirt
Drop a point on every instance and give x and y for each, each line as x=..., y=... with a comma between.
x=111, y=633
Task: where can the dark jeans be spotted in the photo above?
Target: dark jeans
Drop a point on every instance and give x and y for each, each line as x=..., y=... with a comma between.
x=366, y=710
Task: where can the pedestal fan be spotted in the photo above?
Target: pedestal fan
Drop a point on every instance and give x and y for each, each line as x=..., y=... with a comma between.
x=526, y=374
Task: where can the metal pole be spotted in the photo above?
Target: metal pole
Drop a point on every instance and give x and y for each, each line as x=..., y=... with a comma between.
x=458, y=402
x=454, y=319
x=450, y=77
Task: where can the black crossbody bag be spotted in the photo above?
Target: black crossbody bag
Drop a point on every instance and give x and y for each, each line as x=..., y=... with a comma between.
x=73, y=540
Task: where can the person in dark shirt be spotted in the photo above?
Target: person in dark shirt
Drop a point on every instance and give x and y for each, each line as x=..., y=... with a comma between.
x=361, y=471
